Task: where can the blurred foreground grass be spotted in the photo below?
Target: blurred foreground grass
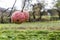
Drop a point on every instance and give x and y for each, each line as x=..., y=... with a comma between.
x=49, y=30
x=29, y=35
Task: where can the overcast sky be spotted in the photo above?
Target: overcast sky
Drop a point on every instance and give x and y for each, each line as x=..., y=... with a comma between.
x=9, y=3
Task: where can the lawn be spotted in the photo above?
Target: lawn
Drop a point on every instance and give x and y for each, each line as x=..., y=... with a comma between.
x=49, y=30
x=29, y=35
x=49, y=25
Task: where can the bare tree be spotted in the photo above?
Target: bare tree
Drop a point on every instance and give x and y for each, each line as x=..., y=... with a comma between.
x=26, y=5
x=12, y=9
x=23, y=5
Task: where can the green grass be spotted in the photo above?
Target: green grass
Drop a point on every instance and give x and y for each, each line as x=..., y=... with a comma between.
x=29, y=35
x=49, y=30
x=49, y=25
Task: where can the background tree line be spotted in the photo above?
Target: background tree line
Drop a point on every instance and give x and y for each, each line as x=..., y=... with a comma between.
x=36, y=9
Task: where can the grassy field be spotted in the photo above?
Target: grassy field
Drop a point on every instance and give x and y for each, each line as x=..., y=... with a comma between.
x=49, y=30
x=49, y=25
x=29, y=35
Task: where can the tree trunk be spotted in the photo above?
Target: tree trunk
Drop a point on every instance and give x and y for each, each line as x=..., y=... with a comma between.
x=59, y=14
x=2, y=18
x=29, y=19
x=23, y=5
x=34, y=15
x=11, y=10
x=40, y=15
